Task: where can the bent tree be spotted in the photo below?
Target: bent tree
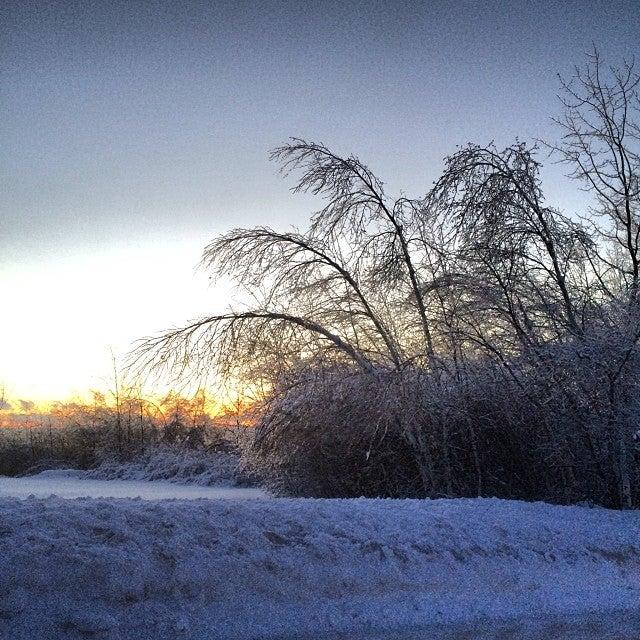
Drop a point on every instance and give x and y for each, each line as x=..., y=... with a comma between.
x=478, y=284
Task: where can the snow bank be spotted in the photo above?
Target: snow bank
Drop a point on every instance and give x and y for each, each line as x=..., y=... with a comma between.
x=209, y=569
x=173, y=464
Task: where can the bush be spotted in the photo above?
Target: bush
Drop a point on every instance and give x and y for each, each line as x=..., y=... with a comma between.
x=545, y=431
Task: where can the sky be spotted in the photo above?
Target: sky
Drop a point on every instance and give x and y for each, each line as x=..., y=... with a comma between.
x=131, y=133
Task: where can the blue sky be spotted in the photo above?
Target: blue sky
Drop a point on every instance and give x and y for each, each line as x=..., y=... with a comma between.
x=131, y=133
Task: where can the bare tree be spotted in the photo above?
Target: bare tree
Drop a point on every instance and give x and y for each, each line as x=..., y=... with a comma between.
x=506, y=237
x=349, y=288
x=601, y=143
x=432, y=341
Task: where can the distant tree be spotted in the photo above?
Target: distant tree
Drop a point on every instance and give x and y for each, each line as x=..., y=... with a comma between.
x=5, y=405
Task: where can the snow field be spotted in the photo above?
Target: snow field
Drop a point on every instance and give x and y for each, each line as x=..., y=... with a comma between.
x=72, y=483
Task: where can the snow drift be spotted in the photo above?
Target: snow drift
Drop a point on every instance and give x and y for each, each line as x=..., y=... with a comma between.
x=175, y=464
x=312, y=568
x=180, y=465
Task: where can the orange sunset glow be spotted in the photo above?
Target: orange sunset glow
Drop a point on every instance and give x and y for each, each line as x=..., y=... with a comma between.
x=319, y=320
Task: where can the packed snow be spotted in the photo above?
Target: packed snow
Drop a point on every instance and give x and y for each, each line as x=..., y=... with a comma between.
x=79, y=484
x=257, y=569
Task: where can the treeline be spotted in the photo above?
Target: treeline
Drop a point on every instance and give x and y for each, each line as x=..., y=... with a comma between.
x=473, y=341
x=81, y=435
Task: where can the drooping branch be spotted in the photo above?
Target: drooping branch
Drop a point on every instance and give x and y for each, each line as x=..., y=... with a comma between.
x=355, y=199
x=263, y=250
x=217, y=340
x=494, y=202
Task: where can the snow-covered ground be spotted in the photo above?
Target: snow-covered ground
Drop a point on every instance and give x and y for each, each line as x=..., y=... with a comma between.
x=222, y=569
x=79, y=484
x=174, y=464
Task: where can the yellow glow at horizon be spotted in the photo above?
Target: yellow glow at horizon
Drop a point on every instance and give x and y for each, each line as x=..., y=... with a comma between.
x=63, y=315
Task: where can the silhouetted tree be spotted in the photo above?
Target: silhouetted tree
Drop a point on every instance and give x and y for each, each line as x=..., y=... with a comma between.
x=431, y=342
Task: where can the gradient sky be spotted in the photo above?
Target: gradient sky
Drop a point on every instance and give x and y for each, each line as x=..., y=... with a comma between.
x=133, y=132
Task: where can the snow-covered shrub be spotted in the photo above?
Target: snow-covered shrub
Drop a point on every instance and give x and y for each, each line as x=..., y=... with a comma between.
x=336, y=433
x=180, y=464
x=558, y=425
x=347, y=433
